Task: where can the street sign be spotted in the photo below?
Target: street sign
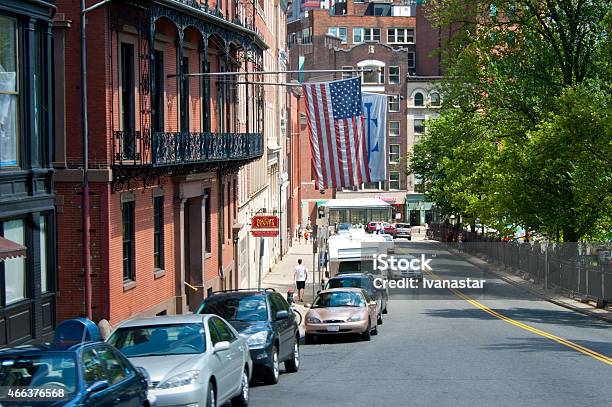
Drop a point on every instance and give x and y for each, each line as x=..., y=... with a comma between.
x=264, y=226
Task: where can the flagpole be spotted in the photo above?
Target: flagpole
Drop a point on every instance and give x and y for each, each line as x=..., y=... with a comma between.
x=369, y=70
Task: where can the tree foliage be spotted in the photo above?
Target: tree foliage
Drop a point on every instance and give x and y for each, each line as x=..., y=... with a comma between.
x=524, y=136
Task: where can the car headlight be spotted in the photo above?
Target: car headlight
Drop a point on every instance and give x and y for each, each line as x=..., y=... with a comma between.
x=355, y=318
x=257, y=339
x=183, y=379
x=313, y=320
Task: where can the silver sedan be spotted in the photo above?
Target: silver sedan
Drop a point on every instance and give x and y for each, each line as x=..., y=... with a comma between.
x=192, y=360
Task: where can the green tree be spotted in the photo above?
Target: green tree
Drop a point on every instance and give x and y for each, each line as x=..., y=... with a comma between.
x=524, y=134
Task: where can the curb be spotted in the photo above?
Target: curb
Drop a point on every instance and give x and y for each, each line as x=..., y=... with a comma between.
x=490, y=269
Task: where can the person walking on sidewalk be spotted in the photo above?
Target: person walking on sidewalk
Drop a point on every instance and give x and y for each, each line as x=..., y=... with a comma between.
x=300, y=274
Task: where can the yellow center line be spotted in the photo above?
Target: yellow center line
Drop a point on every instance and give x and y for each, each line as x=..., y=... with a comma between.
x=589, y=352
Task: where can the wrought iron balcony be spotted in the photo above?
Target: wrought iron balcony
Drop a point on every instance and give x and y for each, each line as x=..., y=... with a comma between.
x=183, y=148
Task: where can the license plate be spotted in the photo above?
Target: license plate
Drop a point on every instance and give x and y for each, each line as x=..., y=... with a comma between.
x=333, y=328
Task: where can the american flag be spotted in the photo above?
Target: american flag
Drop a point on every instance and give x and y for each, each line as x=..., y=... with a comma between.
x=337, y=140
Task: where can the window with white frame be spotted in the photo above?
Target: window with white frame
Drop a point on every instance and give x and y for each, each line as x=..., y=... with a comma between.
x=419, y=99
x=394, y=75
x=361, y=34
x=349, y=74
x=394, y=153
x=434, y=99
x=339, y=32
x=394, y=180
x=357, y=35
x=400, y=36
x=394, y=128
x=394, y=103
x=419, y=126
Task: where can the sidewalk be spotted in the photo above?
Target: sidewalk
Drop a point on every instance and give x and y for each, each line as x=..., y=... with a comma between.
x=521, y=282
x=281, y=276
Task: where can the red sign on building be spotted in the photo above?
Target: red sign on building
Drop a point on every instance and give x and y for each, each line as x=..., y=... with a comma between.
x=264, y=226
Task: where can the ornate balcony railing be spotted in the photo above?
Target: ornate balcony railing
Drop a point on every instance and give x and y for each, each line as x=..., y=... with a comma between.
x=182, y=148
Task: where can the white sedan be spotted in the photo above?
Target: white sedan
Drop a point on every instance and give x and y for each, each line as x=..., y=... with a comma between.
x=192, y=360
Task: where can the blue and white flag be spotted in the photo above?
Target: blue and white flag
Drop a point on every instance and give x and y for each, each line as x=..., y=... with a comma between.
x=375, y=117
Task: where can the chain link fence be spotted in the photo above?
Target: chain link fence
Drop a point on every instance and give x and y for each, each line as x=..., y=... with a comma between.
x=579, y=270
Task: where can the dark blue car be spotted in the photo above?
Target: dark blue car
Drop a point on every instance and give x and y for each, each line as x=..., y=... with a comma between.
x=75, y=370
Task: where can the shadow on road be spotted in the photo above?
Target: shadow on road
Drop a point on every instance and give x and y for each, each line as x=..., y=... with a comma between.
x=540, y=344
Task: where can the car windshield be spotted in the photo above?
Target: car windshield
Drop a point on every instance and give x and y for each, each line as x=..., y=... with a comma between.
x=339, y=299
x=160, y=340
x=349, y=282
x=52, y=370
x=402, y=225
x=246, y=308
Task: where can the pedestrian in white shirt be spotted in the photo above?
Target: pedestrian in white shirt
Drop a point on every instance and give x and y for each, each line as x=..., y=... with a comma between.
x=300, y=275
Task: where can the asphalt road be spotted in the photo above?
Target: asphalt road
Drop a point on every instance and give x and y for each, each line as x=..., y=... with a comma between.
x=506, y=348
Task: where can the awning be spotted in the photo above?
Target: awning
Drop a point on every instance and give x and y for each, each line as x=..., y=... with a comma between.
x=418, y=206
x=10, y=249
x=390, y=197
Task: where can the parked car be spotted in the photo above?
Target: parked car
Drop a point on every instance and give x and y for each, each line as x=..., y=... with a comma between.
x=191, y=359
x=343, y=228
x=403, y=230
x=388, y=228
x=341, y=311
x=77, y=369
x=365, y=281
x=266, y=321
x=399, y=273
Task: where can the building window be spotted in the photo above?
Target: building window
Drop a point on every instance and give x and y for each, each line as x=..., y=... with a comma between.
x=158, y=92
x=394, y=75
x=394, y=180
x=222, y=212
x=44, y=249
x=9, y=93
x=158, y=232
x=307, y=35
x=128, y=115
x=207, y=223
x=411, y=60
x=357, y=35
x=339, y=32
x=127, y=220
x=229, y=210
x=347, y=75
x=206, y=100
x=434, y=99
x=400, y=36
x=394, y=153
x=418, y=99
x=371, y=185
x=419, y=126
x=14, y=269
x=394, y=103
x=185, y=97
x=394, y=128
x=375, y=75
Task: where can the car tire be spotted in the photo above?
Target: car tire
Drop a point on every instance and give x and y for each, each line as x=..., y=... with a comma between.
x=211, y=396
x=310, y=339
x=273, y=372
x=375, y=330
x=293, y=365
x=379, y=320
x=242, y=399
x=367, y=335
x=385, y=311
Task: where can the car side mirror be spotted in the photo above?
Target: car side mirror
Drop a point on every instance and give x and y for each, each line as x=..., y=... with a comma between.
x=221, y=346
x=372, y=302
x=307, y=305
x=98, y=386
x=144, y=373
x=282, y=314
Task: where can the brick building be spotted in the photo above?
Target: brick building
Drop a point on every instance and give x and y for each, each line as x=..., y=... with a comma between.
x=394, y=39
x=165, y=149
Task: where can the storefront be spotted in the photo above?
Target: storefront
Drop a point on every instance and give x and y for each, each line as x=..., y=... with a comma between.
x=27, y=215
x=419, y=211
